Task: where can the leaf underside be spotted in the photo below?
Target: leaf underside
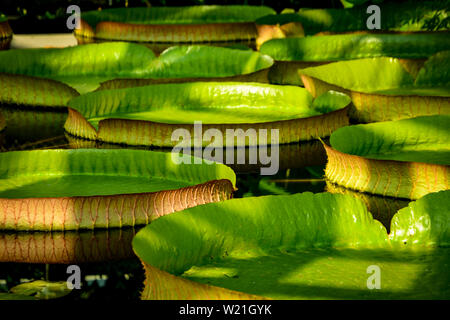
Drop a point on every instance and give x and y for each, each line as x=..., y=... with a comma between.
x=86, y=189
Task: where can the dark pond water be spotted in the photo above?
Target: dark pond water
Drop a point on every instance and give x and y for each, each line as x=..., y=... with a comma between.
x=109, y=268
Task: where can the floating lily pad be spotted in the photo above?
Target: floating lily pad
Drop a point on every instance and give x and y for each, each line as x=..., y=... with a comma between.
x=32, y=92
x=85, y=67
x=13, y=296
x=245, y=159
x=302, y=246
x=149, y=115
x=406, y=91
x=405, y=158
x=86, y=189
x=356, y=46
x=81, y=67
x=292, y=54
x=397, y=79
x=173, y=24
x=42, y=289
x=200, y=63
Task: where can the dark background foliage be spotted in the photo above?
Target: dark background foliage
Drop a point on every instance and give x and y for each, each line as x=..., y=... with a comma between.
x=48, y=16
x=49, y=8
x=52, y=8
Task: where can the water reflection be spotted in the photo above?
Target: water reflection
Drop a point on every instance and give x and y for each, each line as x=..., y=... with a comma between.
x=108, y=265
x=67, y=247
x=32, y=129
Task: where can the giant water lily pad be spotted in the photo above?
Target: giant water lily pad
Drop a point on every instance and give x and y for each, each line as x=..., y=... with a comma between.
x=81, y=67
x=173, y=24
x=294, y=53
x=406, y=90
x=398, y=78
x=149, y=115
x=14, y=296
x=405, y=158
x=244, y=160
x=85, y=67
x=356, y=46
x=302, y=246
x=34, y=92
x=200, y=63
x=43, y=290
x=87, y=189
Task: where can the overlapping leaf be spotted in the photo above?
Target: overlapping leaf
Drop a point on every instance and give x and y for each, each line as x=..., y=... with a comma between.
x=300, y=246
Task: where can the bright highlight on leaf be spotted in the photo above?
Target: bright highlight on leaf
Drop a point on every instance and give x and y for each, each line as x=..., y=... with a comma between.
x=302, y=246
x=149, y=115
x=340, y=47
x=85, y=67
x=85, y=189
x=405, y=159
x=384, y=89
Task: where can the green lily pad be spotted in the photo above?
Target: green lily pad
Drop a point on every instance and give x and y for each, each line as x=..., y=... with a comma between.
x=82, y=67
x=206, y=61
x=33, y=92
x=381, y=208
x=13, y=296
x=408, y=88
x=436, y=71
x=199, y=63
x=396, y=80
x=178, y=15
x=421, y=139
x=405, y=158
x=42, y=289
x=302, y=246
x=86, y=189
x=195, y=24
x=226, y=105
x=356, y=46
x=85, y=67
